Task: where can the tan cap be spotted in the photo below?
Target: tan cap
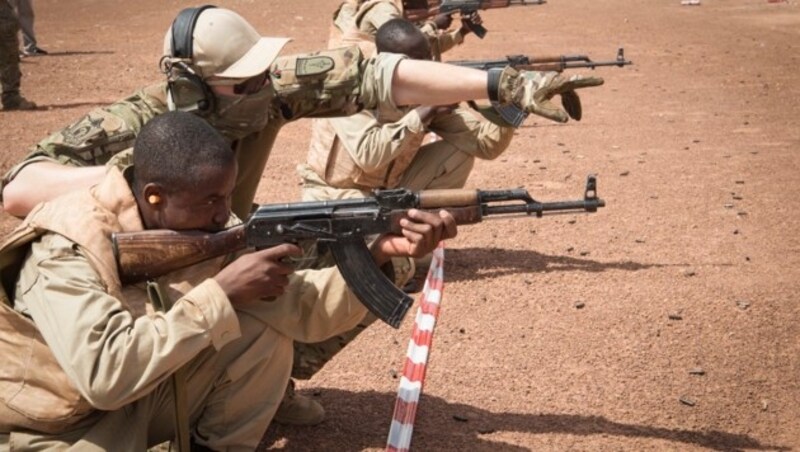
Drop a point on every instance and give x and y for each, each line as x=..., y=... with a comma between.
x=226, y=45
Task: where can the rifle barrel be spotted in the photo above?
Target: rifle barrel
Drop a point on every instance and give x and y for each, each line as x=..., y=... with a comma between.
x=546, y=63
x=539, y=208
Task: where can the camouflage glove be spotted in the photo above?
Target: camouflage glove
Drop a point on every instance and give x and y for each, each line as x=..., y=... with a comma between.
x=532, y=92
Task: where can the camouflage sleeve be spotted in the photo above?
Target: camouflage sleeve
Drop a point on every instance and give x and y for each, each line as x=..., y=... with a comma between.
x=99, y=135
x=376, y=84
x=334, y=82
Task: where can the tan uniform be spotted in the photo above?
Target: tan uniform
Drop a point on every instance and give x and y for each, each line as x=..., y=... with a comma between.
x=384, y=148
x=368, y=154
x=375, y=149
x=357, y=22
x=350, y=84
x=108, y=133
x=85, y=360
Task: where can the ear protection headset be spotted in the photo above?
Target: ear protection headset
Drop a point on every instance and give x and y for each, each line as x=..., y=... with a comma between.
x=188, y=91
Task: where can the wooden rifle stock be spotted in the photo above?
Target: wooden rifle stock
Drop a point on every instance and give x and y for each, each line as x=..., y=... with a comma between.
x=150, y=254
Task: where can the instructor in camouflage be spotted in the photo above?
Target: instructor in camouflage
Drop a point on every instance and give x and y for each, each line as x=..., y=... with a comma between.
x=237, y=82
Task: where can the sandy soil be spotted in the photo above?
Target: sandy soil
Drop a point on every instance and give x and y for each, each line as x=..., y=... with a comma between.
x=691, y=266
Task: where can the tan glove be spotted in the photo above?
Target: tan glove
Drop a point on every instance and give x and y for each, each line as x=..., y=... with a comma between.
x=532, y=91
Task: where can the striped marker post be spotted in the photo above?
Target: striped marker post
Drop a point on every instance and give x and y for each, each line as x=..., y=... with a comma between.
x=405, y=408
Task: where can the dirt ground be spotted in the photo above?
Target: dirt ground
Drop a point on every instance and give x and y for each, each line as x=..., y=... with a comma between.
x=669, y=320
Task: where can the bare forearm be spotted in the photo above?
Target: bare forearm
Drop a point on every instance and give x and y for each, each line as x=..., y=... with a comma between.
x=43, y=181
x=418, y=82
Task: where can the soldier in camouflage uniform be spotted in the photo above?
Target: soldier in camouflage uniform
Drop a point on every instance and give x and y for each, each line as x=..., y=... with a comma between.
x=248, y=94
x=9, y=61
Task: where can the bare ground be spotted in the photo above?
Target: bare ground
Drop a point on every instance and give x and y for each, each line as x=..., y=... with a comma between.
x=692, y=264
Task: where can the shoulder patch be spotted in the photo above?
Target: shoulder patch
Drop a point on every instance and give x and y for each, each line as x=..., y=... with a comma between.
x=93, y=126
x=78, y=132
x=315, y=65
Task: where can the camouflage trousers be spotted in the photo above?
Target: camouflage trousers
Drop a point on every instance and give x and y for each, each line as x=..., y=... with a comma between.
x=9, y=53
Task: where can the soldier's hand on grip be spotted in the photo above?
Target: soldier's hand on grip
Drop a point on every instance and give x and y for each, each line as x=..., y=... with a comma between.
x=258, y=275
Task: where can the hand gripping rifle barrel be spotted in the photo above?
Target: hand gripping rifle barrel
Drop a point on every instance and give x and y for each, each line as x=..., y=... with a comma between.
x=344, y=226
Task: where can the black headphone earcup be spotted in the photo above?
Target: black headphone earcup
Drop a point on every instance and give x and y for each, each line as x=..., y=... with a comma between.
x=188, y=90
x=190, y=93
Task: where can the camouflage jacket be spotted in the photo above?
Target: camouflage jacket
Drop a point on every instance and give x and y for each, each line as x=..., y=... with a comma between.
x=328, y=83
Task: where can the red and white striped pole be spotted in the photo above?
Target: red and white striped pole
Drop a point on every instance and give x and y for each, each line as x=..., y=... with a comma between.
x=419, y=347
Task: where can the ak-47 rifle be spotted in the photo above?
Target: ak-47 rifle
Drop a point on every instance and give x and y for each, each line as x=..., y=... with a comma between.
x=557, y=63
x=342, y=225
x=417, y=10
x=512, y=114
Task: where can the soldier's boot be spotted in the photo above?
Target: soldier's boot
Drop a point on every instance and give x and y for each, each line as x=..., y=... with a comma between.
x=17, y=102
x=296, y=409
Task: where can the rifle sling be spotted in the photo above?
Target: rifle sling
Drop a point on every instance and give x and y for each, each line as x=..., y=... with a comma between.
x=162, y=303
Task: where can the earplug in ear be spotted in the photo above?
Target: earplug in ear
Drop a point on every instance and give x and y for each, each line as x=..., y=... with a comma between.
x=154, y=199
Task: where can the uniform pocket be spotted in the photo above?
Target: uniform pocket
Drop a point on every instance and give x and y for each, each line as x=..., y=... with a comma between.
x=35, y=392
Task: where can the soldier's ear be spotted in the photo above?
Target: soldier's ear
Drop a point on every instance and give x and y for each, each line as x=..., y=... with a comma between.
x=153, y=196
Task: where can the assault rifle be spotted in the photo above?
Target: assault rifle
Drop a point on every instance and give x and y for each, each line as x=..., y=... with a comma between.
x=417, y=10
x=512, y=114
x=557, y=63
x=342, y=225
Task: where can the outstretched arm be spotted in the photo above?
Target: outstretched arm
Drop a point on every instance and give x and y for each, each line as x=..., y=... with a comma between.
x=33, y=184
x=419, y=82
x=73, y=157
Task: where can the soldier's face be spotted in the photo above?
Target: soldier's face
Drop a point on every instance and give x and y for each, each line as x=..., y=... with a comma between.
x=205, y=206
x=242, y=106
x=236, y=87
